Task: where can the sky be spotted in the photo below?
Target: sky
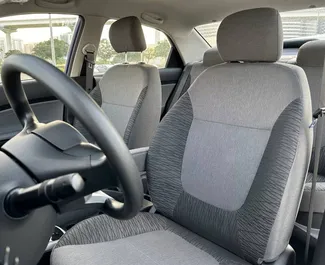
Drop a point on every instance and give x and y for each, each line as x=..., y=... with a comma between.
x=37, y=34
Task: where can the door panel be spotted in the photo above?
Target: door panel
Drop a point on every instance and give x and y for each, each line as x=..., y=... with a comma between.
x=46, y=107
x=35, y=92
x=44, y=111
x=167, y=89
x=169, y=78
x=67, y=31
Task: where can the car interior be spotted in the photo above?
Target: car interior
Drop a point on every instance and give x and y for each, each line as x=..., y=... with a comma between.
x=162, y=132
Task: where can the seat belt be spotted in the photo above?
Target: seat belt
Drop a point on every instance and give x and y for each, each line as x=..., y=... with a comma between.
x=319, y=255
x=318, y=117
x=179, y=87
x=88, y=64
x=86, y=78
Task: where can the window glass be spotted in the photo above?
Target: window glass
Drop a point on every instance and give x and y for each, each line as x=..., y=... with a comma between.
x=47, y=36
x=296, y=24
x=157, y=52
x=209, y=32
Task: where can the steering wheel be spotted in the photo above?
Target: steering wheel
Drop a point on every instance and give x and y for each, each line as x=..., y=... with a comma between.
x=45, y=163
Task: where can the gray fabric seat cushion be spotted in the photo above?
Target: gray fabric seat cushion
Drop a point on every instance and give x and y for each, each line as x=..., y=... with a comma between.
x=319, y=198
x=227, y=164
x=129, y=94
x=311, y=59
x=145, y=239
x=219, y=167
x=210, y=58
x=262, y=43
x=132, y=104
x=320, y=178
x=126, y=35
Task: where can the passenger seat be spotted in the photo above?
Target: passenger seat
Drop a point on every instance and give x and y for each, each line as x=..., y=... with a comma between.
x=191, y=71
x=129, y=94
x=311, y=59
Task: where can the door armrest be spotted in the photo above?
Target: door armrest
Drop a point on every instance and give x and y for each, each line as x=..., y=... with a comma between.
x=140, y=156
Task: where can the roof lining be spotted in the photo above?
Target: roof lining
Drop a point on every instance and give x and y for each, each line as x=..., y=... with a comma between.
x=180, y=16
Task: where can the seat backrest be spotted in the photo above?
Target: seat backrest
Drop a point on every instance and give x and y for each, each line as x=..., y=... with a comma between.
x=191, y=72
x=311, y=57
x=210, y=58
x=129, y=94
x=229, y=160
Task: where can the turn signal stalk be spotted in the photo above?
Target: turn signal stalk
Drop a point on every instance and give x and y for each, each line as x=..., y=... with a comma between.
x=21, y=201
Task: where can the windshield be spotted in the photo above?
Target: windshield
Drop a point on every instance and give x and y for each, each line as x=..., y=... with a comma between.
x=296, y=24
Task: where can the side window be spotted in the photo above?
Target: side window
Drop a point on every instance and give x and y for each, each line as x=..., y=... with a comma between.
x=157, y=52
x=44, y=35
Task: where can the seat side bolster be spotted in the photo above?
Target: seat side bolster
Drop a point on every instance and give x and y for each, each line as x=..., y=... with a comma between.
x=147, y=118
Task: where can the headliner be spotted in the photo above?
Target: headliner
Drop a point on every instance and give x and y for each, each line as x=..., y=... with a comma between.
x=184, y=14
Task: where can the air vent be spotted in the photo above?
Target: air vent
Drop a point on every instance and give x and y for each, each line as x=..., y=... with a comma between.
x=56, y=3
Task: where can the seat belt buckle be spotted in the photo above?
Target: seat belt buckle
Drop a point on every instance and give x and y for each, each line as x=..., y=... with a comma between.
x=316, y=115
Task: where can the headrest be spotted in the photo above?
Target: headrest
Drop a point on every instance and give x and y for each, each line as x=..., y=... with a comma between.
x=126, y=35
x=253, y=35
x=212, y=57
x=312, y=54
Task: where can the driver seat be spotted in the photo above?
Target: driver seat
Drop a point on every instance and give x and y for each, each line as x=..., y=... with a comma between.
x=226, y=167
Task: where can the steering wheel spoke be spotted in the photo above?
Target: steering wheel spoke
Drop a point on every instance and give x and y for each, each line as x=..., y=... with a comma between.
x=53, y=150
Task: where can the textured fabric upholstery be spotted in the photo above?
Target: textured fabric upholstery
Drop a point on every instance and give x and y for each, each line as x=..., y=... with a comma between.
x=212, y=57
x=312, y=54
x=223, y=101
x=126, y=35
x=147, y=237
x=319, y=198
x=253, y=35
x=320, y=178
x=130, y=96
x=97, y=97
x=226, y=167
x=311, y=59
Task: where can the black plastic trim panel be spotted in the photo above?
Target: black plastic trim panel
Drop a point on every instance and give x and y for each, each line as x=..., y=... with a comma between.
x=74, y=44
x=170, y=75
x=296, y=43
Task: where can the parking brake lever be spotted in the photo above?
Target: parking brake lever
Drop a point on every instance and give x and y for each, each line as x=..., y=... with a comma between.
x=21, y=201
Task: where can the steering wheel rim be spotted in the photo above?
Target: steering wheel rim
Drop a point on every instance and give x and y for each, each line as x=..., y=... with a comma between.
x=87, y=111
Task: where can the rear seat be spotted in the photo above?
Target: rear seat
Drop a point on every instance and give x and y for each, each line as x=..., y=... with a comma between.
x=311, y=59
x=190, y=73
